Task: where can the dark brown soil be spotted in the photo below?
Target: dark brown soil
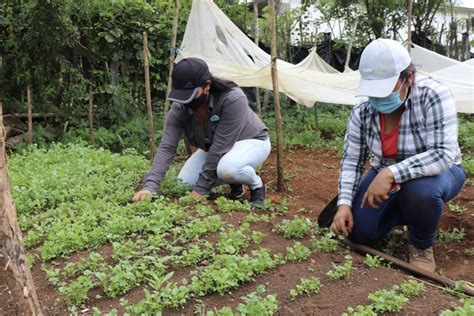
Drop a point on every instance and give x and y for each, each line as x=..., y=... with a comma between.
x=311, y=183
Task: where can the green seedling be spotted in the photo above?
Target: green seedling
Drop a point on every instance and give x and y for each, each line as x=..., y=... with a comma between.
x=298, y=227
x=339, y=272
x=306, y=287
x=453, y=235
x=298, y=252
x=372, y=261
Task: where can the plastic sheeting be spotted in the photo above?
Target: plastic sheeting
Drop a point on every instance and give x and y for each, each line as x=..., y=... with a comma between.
x=211, y=36
x=458, y=76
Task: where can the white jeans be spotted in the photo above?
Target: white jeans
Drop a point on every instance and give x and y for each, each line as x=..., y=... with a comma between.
x=236, y=167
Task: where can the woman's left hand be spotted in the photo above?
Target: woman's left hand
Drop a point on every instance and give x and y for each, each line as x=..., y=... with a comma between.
x=197, y=196
x=378, y=190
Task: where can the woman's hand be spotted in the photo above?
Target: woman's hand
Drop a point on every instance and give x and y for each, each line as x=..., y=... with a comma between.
x=140, y=195
x=379, y=189
x=343, y=221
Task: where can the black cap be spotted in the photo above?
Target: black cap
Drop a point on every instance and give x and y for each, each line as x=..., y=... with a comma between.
x=188, y=75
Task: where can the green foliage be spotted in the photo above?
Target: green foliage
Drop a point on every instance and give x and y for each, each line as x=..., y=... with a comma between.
x=306, y=287
x=452, y=235
x=194, y=254
x=372, y=261
x=85, y=41
x=298, y=227
x=360, y=310
x=332, y=123
x=466, y=309
x=339, y=272
x=228, y=271
x=298, y=252
x=233, y=241
x=456, y=208
x=76, y=292
x=412, y=287
x=225, y=205
x=57, y=184
x=325, y=243
x=388, y=301
x=257, y=237
x=255, y=304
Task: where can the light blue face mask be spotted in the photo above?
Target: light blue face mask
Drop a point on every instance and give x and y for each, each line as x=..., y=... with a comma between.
x=388, y=104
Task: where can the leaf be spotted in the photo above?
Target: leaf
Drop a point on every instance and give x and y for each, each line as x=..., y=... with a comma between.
x=109, y=38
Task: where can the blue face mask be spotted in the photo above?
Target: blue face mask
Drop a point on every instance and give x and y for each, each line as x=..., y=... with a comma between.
x=388, y=104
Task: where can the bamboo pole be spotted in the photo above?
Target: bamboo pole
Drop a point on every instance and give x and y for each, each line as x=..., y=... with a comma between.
x=89, y=115
x=19, y=287
x=410, y=12
x=276, y=97
x=351, y=41
x=256, y=28
x=30, y=117
x=172, y=55
x=148, y=96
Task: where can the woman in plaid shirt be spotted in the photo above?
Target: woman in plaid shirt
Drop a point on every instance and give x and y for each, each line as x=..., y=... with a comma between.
x=408, y=126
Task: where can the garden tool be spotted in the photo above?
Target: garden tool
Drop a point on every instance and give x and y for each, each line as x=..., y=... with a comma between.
x=325, y=219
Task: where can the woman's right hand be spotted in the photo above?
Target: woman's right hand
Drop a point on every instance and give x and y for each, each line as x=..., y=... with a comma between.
x=343, y=221
x=140, y=195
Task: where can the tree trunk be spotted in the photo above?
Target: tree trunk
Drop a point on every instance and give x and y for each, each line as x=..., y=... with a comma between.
x=276, y=97
x=349, y=49
x=17, y=290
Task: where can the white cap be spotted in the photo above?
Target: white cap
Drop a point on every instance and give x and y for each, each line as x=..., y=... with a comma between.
x=380, y=66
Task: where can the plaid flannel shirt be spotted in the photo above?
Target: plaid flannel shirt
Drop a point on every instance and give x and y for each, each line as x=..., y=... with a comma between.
x=427, y=141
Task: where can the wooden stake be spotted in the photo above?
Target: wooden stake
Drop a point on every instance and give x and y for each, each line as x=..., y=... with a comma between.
x=148, y=96
x=172, y=55
x=257, y=90
x=30, y=117
x=410, y=10
x=315, y=106
x=276, y=97
x=19, y=282
x=89, y=114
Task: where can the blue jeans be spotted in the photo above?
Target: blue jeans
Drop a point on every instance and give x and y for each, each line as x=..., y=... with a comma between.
x=418, y=204
x=235, y=167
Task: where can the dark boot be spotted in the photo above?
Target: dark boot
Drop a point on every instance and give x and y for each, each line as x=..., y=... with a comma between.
x=257, y=196
x=236, y=192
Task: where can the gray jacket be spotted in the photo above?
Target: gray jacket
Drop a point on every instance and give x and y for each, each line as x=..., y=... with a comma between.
x=230, y=119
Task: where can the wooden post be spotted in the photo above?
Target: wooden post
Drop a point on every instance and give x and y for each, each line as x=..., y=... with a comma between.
x=89, y=114
x=315, y=106
x=351, y=40
x=148, y=96
x=172, y=56
x=276, y=97
x=410, y=12
x=19, y=293
x=30, y=117
x=257, y=90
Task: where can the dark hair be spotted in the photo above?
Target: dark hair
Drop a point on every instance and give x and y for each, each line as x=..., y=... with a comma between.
x=219, y=85
x=404, y=74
